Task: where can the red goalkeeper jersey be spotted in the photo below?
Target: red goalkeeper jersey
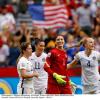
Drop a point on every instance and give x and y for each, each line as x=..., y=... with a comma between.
x=57, y=61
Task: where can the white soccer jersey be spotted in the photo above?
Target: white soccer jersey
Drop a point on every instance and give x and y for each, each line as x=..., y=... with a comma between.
x=24, y=63
x=90, y=72
x=38, y=66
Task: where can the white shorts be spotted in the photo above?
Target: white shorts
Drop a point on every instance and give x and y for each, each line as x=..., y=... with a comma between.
x=40, y=91
x=25, y=90
x=90, y=88
x=98, y=87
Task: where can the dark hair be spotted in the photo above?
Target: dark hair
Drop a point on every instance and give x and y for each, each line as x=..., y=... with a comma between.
x=23, y=21
x=60, y=35
x=24, y=46
x=37, y=41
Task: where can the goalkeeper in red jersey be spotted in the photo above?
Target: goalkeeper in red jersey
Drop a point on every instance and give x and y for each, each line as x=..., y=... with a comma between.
x=56, y=61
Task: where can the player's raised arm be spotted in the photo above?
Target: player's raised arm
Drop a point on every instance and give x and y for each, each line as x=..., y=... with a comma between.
x=72, y=64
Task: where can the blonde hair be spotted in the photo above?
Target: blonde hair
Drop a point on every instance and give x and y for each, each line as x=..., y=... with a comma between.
x=85, y=40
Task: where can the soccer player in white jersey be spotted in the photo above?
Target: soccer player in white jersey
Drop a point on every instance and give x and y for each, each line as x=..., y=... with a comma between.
x=25, y=71
x=38, y=59
x=89, y=60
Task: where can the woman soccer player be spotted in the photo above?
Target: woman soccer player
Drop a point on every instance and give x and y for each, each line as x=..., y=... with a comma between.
x=25, y=71
x=38, y=59
x=56, y=61
x=89, y=61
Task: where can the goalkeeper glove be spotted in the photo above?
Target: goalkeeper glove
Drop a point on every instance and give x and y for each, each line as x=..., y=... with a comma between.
x=59, y=78
x=73, y=86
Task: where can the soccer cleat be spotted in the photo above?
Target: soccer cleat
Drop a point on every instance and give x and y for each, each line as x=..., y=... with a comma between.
x=73, y=86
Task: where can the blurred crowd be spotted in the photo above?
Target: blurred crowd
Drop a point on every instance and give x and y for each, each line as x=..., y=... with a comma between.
x=83, y=21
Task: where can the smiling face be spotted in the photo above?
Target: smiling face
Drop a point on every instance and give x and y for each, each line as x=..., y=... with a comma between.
x=26, y=49
x=40, y=46
x=89, y=44
x=60, y=42
x=29, y=50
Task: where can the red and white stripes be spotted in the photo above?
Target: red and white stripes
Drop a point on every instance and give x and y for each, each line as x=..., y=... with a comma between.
x=55, y=17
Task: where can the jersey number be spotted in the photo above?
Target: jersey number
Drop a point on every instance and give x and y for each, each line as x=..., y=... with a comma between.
x=37, y=65
x=88, y=64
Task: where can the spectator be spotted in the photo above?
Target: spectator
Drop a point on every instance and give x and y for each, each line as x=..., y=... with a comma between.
x=7, y=19
x=22, y=6
x=23, y=32
x=50, y=40
x=14, y=4
x=98, y=44
x=14, y=50
x=84, y=18
x=5, y=34
x=4, y=53
x=9, y=8
x=97, y=22
x=71, y=51
x=36, y=34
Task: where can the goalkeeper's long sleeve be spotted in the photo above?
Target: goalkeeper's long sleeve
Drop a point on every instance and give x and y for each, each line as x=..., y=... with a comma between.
x=48, y=69
x=59, y=78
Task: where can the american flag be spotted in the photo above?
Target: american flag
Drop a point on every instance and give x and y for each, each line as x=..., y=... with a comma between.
x=48, y=16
